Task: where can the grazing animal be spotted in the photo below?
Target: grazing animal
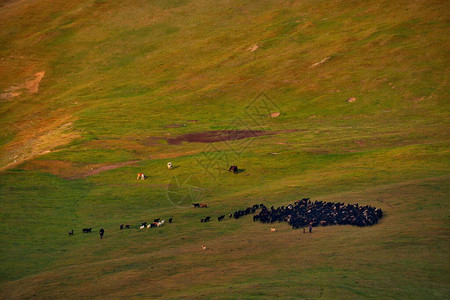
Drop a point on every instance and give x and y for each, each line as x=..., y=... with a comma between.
x=170, y=220
x=144, y=224
x=71, y=232
x=203, y=205
x=221, y=218
x=121, y=227
x=207, y=219
x=273, y=230
x=141, y=176
x=87, y=230
x=102, y=232
x=127, y=226
x=203, y=247
x=233, y=169
x=142, y=227
x=169, y=166
x=202, y=220
x=196, y=205
x=156, y=220
x=160, y=223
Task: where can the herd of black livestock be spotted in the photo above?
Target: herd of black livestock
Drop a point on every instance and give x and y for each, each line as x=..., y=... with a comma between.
x=300, y=214
x=307, y=213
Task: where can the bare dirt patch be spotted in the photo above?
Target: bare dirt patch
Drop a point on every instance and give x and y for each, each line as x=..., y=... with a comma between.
x=320, y=62
x=221, y=136
x=31, y=85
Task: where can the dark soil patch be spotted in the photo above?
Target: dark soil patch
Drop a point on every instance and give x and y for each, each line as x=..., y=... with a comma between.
x=221, y=136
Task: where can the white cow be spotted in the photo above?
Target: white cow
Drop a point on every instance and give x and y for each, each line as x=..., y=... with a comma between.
x=169, y=166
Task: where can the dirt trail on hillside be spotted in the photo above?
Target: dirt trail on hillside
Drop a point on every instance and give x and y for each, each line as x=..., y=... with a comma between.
x=97, y=170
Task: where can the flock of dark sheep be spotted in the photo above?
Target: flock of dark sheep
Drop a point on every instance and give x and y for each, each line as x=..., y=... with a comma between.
x=302, y=213
x=307, y=213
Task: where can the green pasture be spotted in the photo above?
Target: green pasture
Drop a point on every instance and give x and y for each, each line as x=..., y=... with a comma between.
x=131, y=75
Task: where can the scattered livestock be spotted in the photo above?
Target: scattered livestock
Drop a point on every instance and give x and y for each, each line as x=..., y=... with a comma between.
x=273, y=230
x=237, y=214
x=71, y=232
x=233, y=169
x=126, y=226
x=307, y=213
x=200, y=205
x=102, y=232
x=203, y=247
x=87, y=230
x=155, y=224
x=205, y=220
x=170, y=220
x=169, y=166
x=243, y=212
x=141, y=176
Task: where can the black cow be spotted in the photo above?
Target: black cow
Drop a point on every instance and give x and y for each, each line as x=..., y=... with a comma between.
x=71, y=232
x=170, y=220
x=87, y=230
x=233, y=169
x=221, y=218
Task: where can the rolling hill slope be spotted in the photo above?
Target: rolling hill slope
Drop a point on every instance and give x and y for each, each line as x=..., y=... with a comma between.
x=333, y=100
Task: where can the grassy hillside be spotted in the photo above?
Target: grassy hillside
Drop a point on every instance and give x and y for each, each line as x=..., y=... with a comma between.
x=93, y=92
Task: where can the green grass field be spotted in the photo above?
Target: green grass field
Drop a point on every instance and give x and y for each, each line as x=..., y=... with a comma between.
x=122, y=78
